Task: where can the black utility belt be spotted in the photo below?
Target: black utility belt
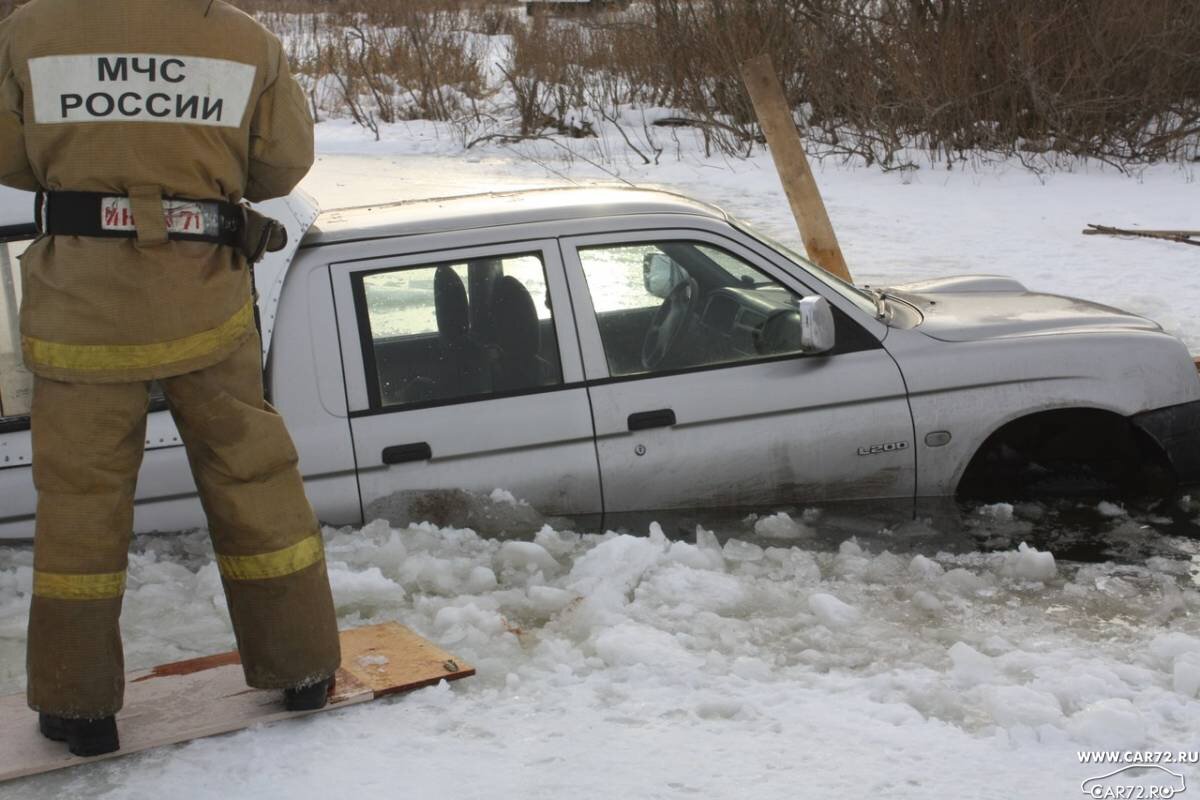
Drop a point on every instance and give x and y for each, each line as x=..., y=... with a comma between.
x=111, y=216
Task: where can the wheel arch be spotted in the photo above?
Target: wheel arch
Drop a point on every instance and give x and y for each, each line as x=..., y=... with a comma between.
x=1078, y=435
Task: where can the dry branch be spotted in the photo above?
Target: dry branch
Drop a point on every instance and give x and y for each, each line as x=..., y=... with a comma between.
x=1183, y=237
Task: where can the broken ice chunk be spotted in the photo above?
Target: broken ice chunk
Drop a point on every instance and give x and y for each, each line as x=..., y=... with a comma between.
x=782, y=526
x=831, y=612
x=1028, y=564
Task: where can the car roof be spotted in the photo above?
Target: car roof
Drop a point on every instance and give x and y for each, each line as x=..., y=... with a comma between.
x=491, y=209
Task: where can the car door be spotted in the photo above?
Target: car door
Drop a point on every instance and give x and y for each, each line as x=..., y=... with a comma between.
x=728, y=419
x=465, y=390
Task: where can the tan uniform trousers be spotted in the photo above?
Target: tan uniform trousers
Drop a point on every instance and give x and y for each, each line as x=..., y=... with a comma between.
x=88, y=441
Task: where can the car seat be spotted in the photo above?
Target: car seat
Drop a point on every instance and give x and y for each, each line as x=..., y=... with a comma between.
x=462, y=368
x=516, y=363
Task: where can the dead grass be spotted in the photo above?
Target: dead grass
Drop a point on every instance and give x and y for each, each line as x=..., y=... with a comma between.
x=884, y=80
x=1103, y=78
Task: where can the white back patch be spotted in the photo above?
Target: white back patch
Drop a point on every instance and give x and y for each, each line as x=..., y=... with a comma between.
x=140, y=87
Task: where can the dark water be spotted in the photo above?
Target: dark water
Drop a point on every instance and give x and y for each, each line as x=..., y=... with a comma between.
x=1081, y=529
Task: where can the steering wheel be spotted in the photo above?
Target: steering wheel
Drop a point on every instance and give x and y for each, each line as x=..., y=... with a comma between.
x=668, y=323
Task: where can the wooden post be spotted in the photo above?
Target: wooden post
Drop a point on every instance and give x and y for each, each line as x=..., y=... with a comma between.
x=787, y=150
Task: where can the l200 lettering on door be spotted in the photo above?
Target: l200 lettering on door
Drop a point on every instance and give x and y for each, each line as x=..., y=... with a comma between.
x=877, y=449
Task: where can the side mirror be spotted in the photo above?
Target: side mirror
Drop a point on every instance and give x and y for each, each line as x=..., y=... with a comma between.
x=660, y=274
x=809, y=329
x=817, y=332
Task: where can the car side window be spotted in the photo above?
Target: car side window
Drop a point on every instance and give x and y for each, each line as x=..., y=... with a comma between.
x=671, y=305
x=457, y=330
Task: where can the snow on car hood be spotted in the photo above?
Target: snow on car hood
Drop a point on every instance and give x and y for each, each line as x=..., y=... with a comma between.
x=976, y=307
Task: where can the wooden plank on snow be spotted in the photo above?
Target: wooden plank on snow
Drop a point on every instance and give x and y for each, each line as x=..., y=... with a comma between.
x=207, y=696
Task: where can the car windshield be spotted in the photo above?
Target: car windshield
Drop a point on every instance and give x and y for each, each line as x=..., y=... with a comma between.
x=861, y=298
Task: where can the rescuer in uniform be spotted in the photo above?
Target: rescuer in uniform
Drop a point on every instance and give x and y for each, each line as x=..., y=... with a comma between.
x=143, y=123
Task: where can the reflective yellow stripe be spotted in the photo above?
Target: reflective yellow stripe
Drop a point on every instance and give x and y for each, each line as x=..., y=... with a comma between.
x=138, y=356
x=273, y=565
x=78, y=587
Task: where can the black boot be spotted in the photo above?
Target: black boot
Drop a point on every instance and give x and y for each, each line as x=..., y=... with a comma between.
x=308, y=698
x=52, y=727
x=84, y=737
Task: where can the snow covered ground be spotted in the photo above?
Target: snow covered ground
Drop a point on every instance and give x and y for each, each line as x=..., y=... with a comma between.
x=634, y=666
x=778, y=658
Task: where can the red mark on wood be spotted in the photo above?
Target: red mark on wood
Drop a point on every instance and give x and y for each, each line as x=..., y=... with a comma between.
x=192, y=666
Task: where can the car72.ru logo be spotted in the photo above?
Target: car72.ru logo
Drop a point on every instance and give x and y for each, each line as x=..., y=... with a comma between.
x=1126, y=783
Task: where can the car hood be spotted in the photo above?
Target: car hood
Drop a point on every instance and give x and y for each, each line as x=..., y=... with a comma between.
x=977, y=307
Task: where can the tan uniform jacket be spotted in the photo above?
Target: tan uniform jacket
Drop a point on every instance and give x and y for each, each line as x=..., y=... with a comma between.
x=178, y=98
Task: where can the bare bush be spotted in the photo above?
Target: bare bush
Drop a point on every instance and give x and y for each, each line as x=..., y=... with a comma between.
x=387, y=60
x=1103, y=78
x=884, y=80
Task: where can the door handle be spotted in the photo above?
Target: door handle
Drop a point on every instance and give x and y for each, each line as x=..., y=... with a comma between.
x=644, y=420
x=404, y=453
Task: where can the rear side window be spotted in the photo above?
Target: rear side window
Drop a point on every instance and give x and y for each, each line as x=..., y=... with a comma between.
x=401, y=303
x=457, y=330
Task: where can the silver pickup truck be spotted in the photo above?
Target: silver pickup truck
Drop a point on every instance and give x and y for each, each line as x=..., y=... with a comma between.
x=595, y=353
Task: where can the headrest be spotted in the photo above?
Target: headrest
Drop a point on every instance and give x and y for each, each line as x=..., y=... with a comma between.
x=515, y=319
x=450, y=302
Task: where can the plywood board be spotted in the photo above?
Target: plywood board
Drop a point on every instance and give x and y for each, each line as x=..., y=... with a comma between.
x=206, y=696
